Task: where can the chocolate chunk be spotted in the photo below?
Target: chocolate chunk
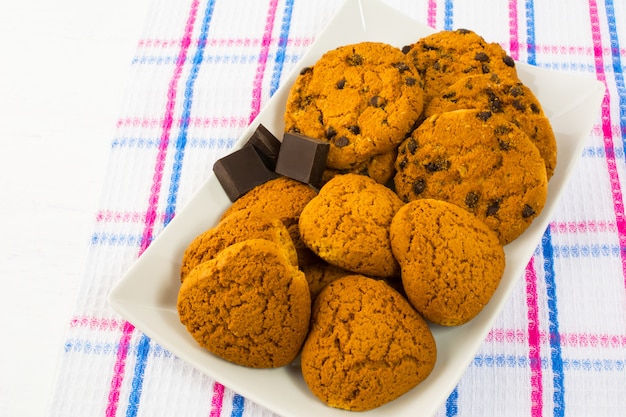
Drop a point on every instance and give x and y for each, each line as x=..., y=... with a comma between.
x=330, y=133
x=267, y=146
x=410, y=81
x=341, y=84
x=518, y=105
x=411, y=145
x=303, y=158
x=241, y=171
x=401, y=66
x=406, y=49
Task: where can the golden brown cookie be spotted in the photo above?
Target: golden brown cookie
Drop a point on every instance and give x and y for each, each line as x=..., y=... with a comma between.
x=443, y=57
x=478, y=161
x=347, y=225
x=237, y=227
x=283, y=199
x=249, y=305
x=367, y=345
x=509, y=97
x=363, y=98
x=451, y=261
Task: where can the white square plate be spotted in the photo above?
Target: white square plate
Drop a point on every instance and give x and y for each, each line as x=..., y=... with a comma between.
x=146, y=296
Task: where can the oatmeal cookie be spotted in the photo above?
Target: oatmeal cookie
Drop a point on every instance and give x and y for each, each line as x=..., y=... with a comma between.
x=237, y=227
x=249, y=305
x=451, y=261
x=282, y=198
x=347, y=225
x=367, y=345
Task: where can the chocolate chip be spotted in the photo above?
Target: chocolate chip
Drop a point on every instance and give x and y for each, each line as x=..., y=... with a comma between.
x=419, y=186
x=471, y=199
x=330, y=133
x=451, y=94
x=527, y=211
x=411, y=145
x=378, y=101
x=354, y=60
x=493, y=208
x=402, y=164
x=406, y=49
x=496, y=105
x=410, y=81
x=354, y=129
x=481, y=57
x=463, y=31
x=401, y=66
x=485, y=68
x=483, y=115
x=535, y=109
x=516, y=91
x=518, y=105
x=341, y=84
x=504, y=145
x=306, y=70
x=508, y=61
x=502, y=130
x=341, y=141
x=437, y=166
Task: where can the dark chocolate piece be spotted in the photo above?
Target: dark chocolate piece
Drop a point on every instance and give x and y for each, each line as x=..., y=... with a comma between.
x=267, y=145
x=241, y=171
x=302, y=158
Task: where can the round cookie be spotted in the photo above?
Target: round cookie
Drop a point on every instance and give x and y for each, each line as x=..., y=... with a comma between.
x=451, y=261
x=249, y=305
x=363, y=98
x=367, y=345
x=444, y=57
x=237, y=227
x=282, y=198
x=509, y=97
x=478, y=161
x=347, y=225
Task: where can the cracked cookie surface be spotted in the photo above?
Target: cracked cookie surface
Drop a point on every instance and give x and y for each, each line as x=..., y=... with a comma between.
x=363, y=98
x=451, y=261
x=347, y=225
x=282, y=198
x=367, y=345
x=249, y=305
x=237, y=227
x=479, y=161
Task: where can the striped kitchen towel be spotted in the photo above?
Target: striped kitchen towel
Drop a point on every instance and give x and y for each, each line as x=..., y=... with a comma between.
x=202, y=71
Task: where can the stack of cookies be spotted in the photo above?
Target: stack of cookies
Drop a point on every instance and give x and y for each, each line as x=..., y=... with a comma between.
x=438, y=157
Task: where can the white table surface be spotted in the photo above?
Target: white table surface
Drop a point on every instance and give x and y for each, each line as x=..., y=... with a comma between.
x=63, y=65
